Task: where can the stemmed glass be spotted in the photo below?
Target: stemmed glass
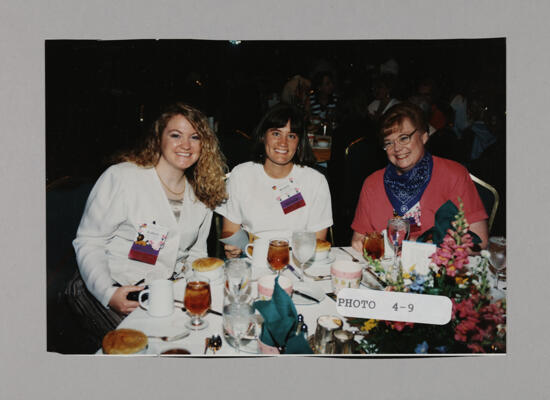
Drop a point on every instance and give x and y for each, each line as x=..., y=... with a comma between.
x=303, y=248
x=398, y=230
x=497, y=256
x=197, y=301
x=238, y=273
x=278, y=254
x=237, y=318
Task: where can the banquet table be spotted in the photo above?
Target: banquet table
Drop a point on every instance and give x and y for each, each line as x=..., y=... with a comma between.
x=195, y=342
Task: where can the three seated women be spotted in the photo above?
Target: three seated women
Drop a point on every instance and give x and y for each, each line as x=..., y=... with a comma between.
x=163, y=195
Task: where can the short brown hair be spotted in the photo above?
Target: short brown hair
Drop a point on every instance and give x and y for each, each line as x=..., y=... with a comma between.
x=397, y=114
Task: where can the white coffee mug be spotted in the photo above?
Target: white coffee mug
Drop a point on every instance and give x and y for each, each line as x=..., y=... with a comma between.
x=259, y=253
x=161, y=298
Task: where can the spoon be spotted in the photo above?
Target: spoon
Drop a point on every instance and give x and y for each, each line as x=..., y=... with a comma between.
x=318, y=277
x=170, y=338
x=352, y=256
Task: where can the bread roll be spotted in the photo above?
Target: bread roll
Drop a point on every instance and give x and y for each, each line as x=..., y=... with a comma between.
x=124, y=341
x=207, y=264
x=322, y=245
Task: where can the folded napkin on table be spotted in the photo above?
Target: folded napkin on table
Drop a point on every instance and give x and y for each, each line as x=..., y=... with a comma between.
x=443, y=218
x=280, y=323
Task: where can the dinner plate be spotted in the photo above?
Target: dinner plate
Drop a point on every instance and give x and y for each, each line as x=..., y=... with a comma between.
x=309, y=289
x=328, y=260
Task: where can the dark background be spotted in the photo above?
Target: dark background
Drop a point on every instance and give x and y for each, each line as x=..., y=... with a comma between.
x=101, y=95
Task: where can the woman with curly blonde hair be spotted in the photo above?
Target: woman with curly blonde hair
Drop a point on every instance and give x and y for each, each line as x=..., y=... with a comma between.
x=151, y=211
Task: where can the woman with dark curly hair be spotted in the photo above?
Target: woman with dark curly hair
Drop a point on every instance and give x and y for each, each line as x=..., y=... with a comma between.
x=163, y=194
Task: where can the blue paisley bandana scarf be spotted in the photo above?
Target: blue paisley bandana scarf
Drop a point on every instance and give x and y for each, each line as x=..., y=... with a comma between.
x=405, y=190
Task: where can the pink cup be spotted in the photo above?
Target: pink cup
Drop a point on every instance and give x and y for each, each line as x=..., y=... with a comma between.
x=265, y=349
x=345, y=274
x=267, y=282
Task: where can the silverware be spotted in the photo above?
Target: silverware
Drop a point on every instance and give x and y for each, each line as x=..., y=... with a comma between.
x=331, y=296
x=371, y=273
x=293, y=270
x=307, y=296
x=318, y=277
x=352, y=256
x=206, y=344
x=170, y=338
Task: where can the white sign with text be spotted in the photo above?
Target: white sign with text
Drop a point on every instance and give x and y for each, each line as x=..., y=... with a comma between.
x=394, y=306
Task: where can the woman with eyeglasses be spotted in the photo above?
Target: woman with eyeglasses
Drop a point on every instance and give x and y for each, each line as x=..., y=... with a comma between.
x=415, y=184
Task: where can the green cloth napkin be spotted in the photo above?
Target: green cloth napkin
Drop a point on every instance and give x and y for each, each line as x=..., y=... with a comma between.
x=280, y=323
x=443, y=218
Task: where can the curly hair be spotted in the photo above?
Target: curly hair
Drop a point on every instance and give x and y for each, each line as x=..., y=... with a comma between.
x=206, y=176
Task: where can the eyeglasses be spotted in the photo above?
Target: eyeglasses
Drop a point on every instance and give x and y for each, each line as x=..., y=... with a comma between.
x=402, y=140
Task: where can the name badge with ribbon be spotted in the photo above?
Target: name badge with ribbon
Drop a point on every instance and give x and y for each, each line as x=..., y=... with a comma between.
x=289, y=196
x=148, y=244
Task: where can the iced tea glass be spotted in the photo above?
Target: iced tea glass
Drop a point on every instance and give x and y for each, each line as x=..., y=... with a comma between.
x=374, y=245
x=278, y=254
x=197, y=301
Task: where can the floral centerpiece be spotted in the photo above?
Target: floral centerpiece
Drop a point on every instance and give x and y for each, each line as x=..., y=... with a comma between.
x=478, y=324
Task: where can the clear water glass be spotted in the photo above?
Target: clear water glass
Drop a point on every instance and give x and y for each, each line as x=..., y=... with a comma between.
x=238, y=287
x=303, y=247
x=237, y=319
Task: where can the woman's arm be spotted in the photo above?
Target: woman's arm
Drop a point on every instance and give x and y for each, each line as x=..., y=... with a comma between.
x=480, y=229
x=104, y=213
x=230, y=228
x=357, y=241
x=322, y=234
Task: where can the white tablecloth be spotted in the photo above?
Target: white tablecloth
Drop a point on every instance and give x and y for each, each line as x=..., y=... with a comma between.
x=174, y=324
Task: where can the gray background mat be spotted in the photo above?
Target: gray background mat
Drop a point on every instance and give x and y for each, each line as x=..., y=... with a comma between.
x=27, y=371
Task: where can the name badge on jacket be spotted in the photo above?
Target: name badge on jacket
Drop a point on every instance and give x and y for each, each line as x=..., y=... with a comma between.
x=148, y=244
x=289, y=196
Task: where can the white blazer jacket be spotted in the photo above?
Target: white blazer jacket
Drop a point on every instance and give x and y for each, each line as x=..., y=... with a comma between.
x=124, y=197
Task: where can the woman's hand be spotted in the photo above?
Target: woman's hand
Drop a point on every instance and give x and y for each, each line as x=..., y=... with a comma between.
x=120, y=304
x=229, y=228
x=231, y=251
x=357, y=241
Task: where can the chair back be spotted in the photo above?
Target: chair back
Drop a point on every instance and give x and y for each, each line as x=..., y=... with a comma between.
x=65, y=201
x=490, y=198
x=236, y=146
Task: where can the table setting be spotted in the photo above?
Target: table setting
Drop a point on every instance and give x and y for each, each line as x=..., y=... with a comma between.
x=282, y=299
